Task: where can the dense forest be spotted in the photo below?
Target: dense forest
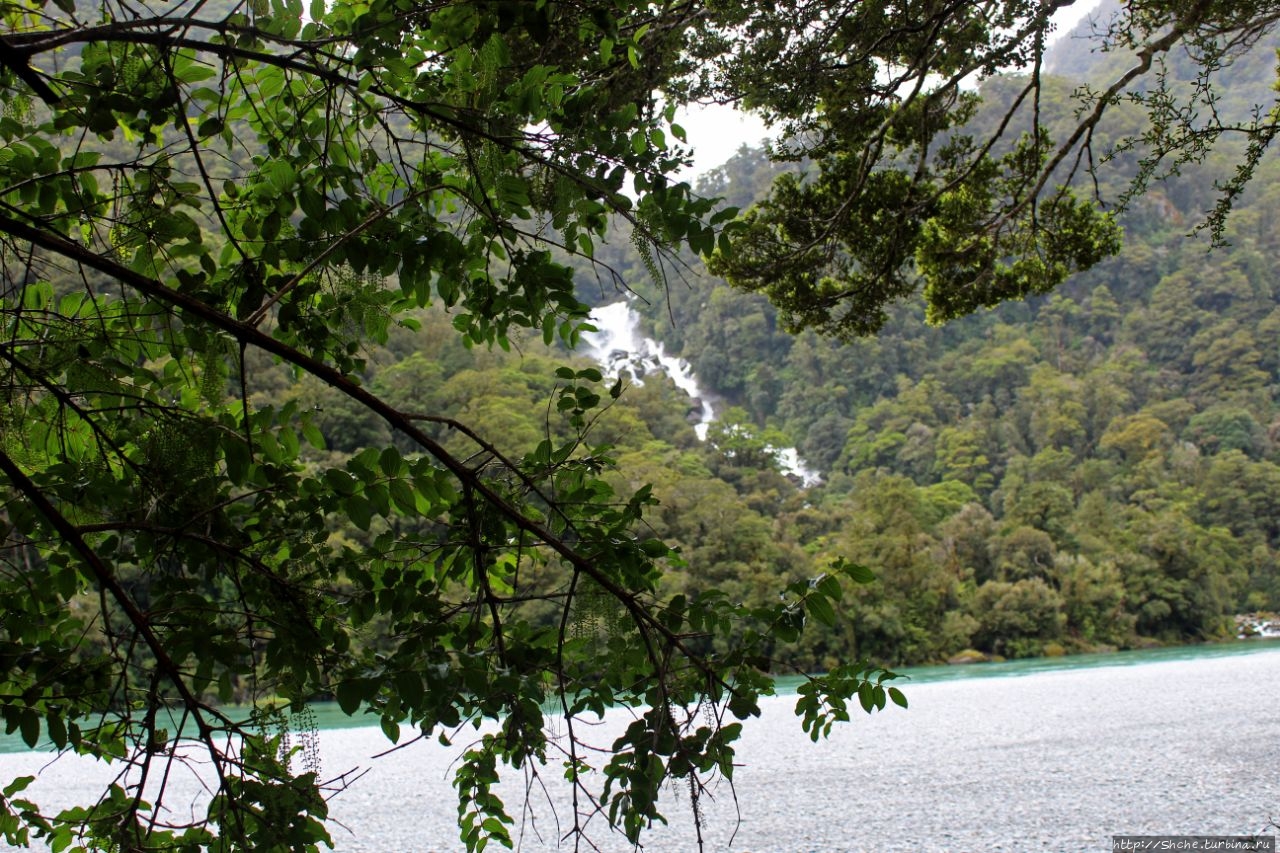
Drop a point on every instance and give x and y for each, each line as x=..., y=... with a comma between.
x=1087, y=470
x=1090, y=470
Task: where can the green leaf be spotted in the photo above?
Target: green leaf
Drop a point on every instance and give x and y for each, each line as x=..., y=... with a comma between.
x=855, y=572
x=313, y=435
x=340, y=482
x=402, y=495
x=867, y=696
x=391, y=729
x=898, y=697
x=820, y=608
x=57, y=729
x=236, y=455
x=18, y=785
x=29, y=724
x=389, y=461
x=360, y=510
x=312, y=202
x=829, y=586
x=655, y=548
x=210, y=127
x=350, y=695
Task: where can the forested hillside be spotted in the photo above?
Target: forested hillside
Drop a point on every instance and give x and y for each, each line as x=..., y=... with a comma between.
x=1092, y=469
x=1098, y=468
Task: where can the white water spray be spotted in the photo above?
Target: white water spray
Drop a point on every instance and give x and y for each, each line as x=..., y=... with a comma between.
x=617, y=347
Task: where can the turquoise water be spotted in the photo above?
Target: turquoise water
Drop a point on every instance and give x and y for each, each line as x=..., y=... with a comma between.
x=1028, y=666
x=330, y=717
x=1042, y=755
x=1012, y=668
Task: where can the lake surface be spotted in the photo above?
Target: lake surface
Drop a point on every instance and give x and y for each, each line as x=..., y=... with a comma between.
x=1049, y=755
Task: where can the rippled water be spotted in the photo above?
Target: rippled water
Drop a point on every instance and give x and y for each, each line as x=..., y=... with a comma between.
x=1059, y=758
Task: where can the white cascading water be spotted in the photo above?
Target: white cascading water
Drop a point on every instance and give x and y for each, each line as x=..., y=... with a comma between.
x=790, y=462
x=617, y=346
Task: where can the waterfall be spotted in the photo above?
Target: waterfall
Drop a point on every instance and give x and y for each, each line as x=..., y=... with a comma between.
x=617, y=347
x=791, y=463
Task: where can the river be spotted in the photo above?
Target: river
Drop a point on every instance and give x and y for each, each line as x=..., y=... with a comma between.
x=1050, y=755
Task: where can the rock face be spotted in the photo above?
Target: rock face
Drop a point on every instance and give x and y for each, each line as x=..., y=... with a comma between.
x=967, y=656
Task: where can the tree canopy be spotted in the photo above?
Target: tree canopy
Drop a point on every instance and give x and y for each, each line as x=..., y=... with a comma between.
x=197, y=196
x=909, y=187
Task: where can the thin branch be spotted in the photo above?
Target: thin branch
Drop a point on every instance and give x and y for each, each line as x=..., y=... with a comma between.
x=107, y=581
x=251, y=335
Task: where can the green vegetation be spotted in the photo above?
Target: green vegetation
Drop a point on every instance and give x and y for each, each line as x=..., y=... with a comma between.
x=1094, y=469
x=291, y=410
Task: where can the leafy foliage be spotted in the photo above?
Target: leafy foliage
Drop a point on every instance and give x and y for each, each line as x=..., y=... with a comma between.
x=222, y=214
x=240, y=462
x=1083, y=471
x=906, y=185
